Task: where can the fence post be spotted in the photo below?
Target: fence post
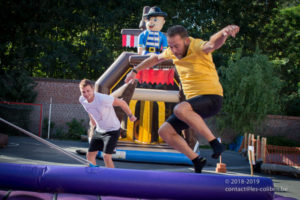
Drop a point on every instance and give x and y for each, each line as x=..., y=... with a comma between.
x=49, y=121
x=250, y=158
x=258, y=148
x=245, y=142
x=249, y=140
x=253, y=151
x=263, y=149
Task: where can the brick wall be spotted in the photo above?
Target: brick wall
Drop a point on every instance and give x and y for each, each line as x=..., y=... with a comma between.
x=274, y=125
x=285, y=126
x=61, y=91
x=65, y=104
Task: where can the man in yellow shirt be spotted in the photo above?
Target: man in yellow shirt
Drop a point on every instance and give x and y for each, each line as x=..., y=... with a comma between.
x=200, y=84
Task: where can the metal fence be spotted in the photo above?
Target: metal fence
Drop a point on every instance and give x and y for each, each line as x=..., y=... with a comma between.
x=283, y=155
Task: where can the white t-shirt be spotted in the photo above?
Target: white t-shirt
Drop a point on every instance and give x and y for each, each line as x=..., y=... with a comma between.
x=102, y=111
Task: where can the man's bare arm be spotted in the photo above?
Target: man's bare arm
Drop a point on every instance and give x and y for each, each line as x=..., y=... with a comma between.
x=149, y=62
x=93, y=123
x=124, y=106
x=218, y=39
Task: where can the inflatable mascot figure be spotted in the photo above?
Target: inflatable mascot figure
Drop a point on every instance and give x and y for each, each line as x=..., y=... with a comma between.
x=152, y=40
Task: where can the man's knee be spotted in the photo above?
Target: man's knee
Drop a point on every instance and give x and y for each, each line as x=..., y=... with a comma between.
x=161, y=131
x=181, y=109
x=166, y=130
x=107, y=157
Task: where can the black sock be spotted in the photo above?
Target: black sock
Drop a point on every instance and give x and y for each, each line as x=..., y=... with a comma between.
x=217, y=148
x=199, y=163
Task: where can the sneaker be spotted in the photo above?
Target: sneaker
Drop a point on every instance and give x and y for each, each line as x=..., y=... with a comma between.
x=218, y=150
x=81, y=152
x=199, y=164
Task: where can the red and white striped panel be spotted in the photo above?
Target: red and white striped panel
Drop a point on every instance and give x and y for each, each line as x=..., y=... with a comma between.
x=130, y=40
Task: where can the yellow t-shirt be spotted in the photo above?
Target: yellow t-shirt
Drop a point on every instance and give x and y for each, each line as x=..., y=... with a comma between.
x=196, y=70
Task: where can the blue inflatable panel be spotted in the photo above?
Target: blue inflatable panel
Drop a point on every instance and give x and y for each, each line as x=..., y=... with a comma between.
x=235, y=146
x=150, y=157
x=133, y=183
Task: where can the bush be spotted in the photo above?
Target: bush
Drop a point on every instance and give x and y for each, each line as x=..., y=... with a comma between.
x=60, y=133
x=281, y=141
x=16, y=114
x=17, y=86
x=251, y=91
x=293, y=106
x=76, y=129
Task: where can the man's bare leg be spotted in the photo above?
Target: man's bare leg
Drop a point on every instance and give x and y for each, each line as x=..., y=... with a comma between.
x=108, y=160
x=91, y=156
x=184, y=112
x=169, y=135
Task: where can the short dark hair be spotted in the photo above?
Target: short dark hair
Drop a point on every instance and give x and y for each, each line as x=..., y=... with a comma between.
x=177, y=30
x=85, y=82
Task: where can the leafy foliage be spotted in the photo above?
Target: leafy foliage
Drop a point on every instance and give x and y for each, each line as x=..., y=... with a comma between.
x=75, y=129
x=281, y=141
x=251, y=92
x=75, y=39
x=17, y=86
x=80, y=39
x=282, y=43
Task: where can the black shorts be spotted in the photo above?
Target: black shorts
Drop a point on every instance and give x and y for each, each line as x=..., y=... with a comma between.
x=105, y=142
x=204, y=105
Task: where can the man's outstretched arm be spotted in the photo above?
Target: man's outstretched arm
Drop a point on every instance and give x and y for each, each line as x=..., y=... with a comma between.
x=149, y=62
x=124, y=106
x=218, y=39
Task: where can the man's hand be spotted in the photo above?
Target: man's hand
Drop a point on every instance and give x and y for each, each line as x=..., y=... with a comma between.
x=132, y=117
x=231, y=30
x=218, y=39
x=147, y=63
x=130, y=76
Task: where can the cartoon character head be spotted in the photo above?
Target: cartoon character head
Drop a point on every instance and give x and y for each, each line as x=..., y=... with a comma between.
x=155, y=19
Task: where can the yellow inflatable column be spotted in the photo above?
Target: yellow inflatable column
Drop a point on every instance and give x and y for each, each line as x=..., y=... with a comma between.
x=130, y=124
x=145, y=122
x=161, y=116
x=146, y=117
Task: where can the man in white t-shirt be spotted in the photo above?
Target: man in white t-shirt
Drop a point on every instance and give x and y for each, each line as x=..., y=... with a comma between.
x=100, y=108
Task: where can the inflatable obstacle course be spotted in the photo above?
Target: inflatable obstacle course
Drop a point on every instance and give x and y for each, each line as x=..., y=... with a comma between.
x=133, y=183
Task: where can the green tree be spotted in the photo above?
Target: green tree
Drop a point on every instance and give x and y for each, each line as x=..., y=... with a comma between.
x=76, y=39
x=282, y=44
x=17, y=86
x=251, y=90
